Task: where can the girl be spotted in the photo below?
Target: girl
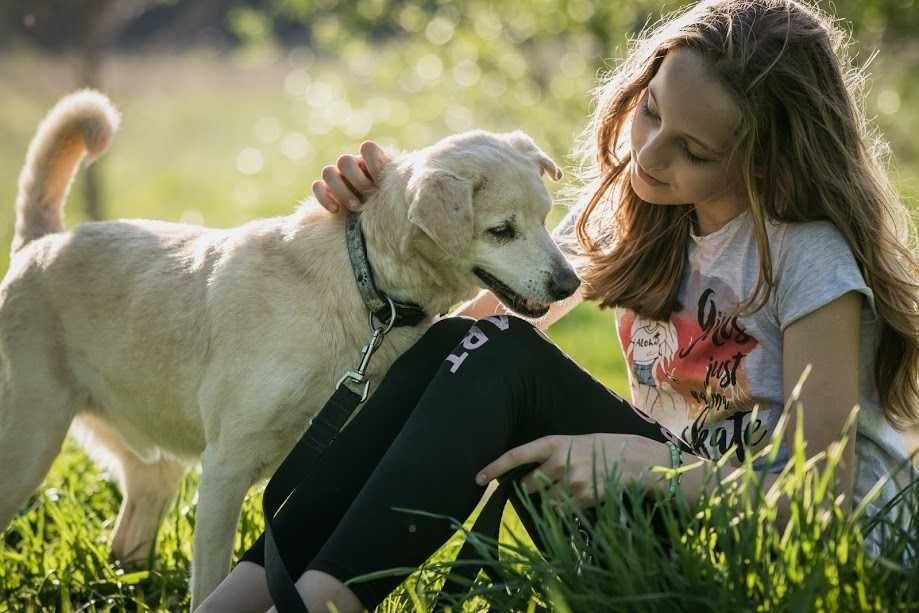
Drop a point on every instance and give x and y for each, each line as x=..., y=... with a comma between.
x=734, y=197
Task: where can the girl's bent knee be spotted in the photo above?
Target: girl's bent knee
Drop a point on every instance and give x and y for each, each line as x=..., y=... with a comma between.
x=436, y=342
x=448, y=326
x=444, y=334
x=514, y=334
x=500, y=343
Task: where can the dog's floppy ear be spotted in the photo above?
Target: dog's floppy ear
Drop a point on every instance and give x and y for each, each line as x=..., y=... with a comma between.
x=441, y=205
x=524, y=144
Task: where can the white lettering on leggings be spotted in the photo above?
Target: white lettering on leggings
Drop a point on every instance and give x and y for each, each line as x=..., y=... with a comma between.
x=456, y=360
x=474, y=339
x=500, y=321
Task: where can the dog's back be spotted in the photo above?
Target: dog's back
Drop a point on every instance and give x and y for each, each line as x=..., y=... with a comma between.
x=139, y=333
x=125, y=306
x=119, y=308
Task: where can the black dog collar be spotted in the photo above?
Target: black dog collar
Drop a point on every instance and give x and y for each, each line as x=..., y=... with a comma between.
x=407, y=313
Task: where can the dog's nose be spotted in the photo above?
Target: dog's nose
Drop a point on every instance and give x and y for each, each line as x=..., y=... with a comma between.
x=563, y=284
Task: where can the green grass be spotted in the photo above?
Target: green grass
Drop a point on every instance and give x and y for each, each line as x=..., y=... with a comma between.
x=185, y=121
x=727, y=552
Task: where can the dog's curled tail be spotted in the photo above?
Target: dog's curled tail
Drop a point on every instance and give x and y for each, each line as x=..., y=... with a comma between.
x=80, y=125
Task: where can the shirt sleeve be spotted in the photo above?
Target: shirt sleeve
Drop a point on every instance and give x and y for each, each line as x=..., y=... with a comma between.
x=565, y=233
x=815, y=267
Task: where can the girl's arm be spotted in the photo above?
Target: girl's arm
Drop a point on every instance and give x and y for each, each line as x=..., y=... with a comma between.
x=828, y=340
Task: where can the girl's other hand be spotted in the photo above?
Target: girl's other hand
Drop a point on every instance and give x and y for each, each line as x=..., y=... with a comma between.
x=346, y=185
x=574, y=462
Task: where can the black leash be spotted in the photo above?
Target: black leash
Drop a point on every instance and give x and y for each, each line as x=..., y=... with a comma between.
x=325, y=427
x=385, y=314
x=301, y=461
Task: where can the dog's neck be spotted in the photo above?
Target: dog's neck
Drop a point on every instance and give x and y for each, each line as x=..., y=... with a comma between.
x=401, y=266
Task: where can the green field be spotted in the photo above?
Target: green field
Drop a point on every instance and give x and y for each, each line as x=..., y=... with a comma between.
x=185, y=121
x=221, y=140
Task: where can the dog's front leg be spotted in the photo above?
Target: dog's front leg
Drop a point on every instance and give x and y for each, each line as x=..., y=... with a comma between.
x=220, y=496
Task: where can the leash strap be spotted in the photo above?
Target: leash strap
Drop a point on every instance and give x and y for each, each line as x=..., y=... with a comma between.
x=321, y=433
x=384, y=314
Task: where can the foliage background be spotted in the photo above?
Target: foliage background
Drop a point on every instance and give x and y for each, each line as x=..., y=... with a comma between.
x=230, y=110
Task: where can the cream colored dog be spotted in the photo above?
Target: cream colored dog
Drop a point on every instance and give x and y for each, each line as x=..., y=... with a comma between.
x=166, y=344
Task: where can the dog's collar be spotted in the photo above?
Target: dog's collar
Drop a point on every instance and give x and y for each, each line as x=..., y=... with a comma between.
x=407, y=313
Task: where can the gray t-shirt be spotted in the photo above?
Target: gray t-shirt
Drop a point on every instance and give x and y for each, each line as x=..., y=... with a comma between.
x=701, y=373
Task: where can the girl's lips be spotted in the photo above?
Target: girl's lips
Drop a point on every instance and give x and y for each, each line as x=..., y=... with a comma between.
x=646, y=177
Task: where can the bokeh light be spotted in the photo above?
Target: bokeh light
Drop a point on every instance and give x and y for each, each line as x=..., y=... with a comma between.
x=267, y=130
x=249, y=161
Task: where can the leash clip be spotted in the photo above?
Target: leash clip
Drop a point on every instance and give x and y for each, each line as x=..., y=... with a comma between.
x=358, y=375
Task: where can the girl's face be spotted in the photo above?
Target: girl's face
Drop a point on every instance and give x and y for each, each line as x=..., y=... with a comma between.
x=681, y=133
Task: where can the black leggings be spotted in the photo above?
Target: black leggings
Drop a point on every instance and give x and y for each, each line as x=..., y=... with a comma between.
x=419, y=441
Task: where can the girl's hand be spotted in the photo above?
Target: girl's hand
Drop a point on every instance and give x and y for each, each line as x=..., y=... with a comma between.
x=570, y=461
x=346, y=185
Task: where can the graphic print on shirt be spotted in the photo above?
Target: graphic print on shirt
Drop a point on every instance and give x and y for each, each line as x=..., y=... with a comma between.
x=688, y=372
x=650, y=352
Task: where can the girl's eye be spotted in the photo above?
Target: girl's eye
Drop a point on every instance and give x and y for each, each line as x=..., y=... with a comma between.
x=504, y=231
x=693, y=159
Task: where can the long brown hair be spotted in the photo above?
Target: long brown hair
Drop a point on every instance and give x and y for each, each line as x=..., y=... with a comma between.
x=805, y=153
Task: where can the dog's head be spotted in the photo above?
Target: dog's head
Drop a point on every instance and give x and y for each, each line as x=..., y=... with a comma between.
x=478, y=208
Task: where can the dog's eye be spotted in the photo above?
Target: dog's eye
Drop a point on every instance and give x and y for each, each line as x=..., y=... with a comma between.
x=504, y=231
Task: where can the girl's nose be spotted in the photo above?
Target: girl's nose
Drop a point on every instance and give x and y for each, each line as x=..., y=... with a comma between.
x=652, y=156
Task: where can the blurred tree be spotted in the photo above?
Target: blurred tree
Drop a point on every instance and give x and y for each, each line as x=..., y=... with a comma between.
x=532, y=45
x=87, y=27
x=90, y=25
x=541, y=19
x=49, y=24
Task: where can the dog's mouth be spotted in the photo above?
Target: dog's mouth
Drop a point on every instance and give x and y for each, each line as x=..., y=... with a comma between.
x=510, y=298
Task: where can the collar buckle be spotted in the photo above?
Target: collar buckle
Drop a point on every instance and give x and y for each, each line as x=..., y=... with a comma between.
x=358, y=375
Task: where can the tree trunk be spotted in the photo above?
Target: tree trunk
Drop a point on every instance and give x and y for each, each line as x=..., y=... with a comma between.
x=90, y=76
